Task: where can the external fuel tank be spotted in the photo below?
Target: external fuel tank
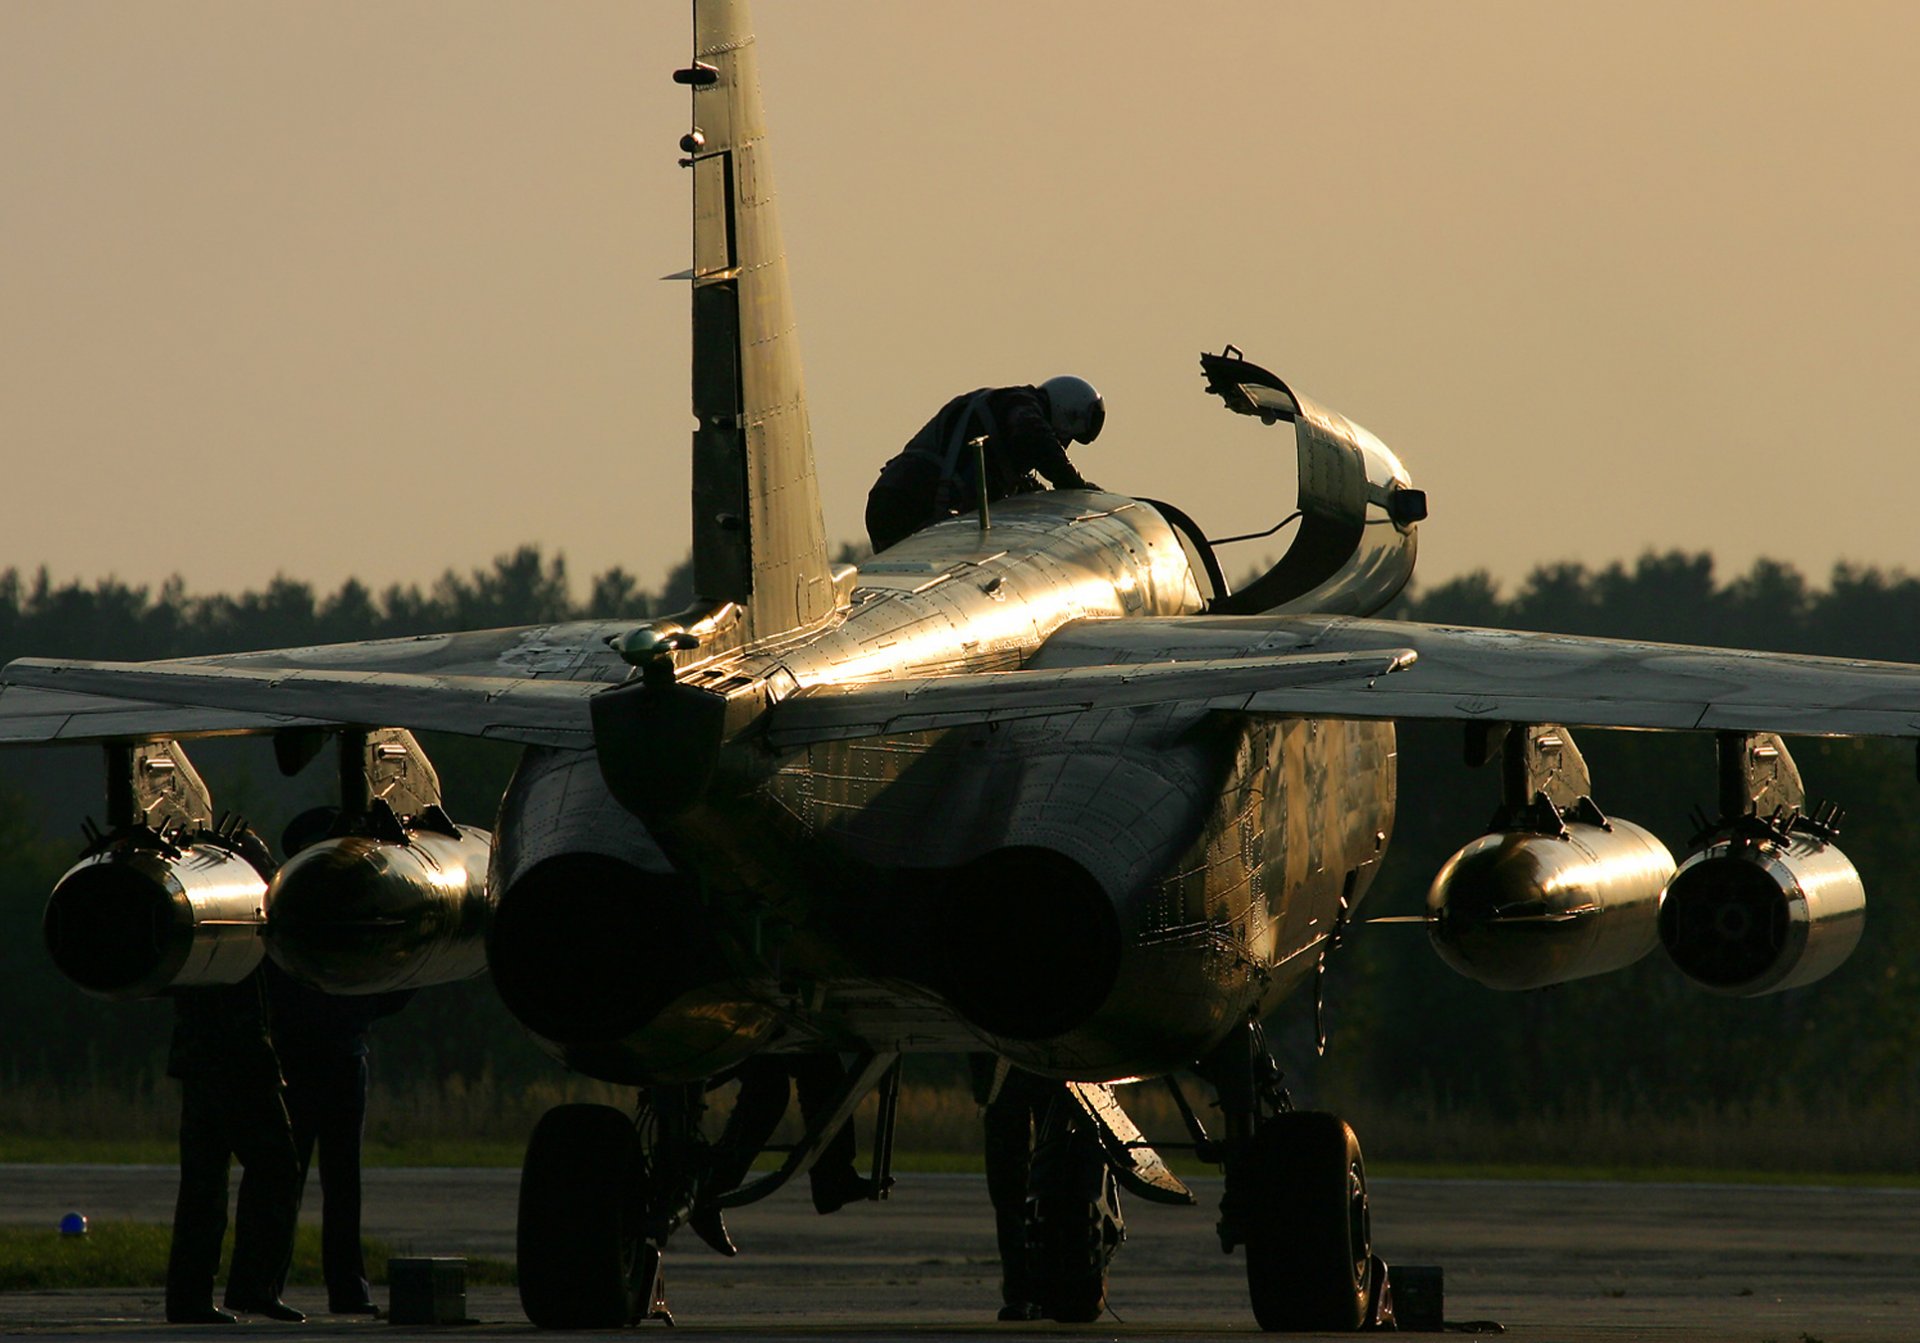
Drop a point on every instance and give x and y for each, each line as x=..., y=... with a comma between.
x=1522, y=910
x=365, y=914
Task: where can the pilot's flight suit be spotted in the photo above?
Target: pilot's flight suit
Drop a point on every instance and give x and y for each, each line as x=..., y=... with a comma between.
x=934, y=475
x=231, y=1104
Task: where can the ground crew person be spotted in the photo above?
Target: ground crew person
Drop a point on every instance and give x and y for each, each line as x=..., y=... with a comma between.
x=231, y=1104
x=764, y=1092
x=1027, y=430
x=1013, y=1106
x=322, y=1042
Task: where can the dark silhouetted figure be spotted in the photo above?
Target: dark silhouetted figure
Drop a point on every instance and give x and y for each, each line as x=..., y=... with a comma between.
x=322, y=1040
x=231, y=1104
x=1026, y=431
x=763, y=1097
x=1014, y=1111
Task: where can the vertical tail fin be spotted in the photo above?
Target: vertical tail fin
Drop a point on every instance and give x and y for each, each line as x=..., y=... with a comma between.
x=758, y=538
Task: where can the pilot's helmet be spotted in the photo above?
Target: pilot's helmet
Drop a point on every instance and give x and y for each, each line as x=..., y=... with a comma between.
x=1078, y=411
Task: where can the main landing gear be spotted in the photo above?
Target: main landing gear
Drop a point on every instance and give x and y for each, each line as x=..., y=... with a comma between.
x=590, y=1239
x=602, y=1191
x=1074, y=1225
x=1295, y=1201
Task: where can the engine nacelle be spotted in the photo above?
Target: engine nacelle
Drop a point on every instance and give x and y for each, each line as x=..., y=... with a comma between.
x=1028, y=940
x=599, y=947
x=364, y=914
x=1754, y=913
x=147, y=914
x=1525, y=909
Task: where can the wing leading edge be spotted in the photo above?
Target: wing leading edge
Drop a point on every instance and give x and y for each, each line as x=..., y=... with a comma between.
x=144, y=699
x=1252, y=684
x=158, y=696
x=1465, y=674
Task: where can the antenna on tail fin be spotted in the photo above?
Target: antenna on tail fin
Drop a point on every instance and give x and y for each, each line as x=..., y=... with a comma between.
x=758, y=539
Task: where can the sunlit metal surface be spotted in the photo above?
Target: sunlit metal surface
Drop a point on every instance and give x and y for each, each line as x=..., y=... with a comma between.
x=134, y=921
x=363, y=915
x=1745, y=917
x=1207, y=850
x=1518, y=910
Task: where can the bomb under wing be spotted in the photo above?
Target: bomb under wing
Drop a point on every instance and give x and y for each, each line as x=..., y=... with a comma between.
x=1767, y=901
x=1557, y=890
x=385, y=891
x=165, y=897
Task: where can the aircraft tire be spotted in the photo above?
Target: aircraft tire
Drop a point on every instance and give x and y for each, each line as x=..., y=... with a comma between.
x=1067, y=1258
x=578, y=1230
x=1310, y=1247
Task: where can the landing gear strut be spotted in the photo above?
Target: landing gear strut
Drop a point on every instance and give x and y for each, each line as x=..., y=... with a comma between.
x=1295, y=1201
x=601, y=1193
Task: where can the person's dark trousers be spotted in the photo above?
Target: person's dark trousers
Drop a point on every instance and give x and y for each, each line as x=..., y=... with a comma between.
x=756, y=1113
x=894, y=515
x=905, y=499
x=764, y=1092
x=219, y=1120
x=818, y=1078
x=327, y=1101
x=1009, y=1123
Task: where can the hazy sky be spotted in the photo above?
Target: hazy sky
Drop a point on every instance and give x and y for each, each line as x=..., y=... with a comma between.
x=372, y=288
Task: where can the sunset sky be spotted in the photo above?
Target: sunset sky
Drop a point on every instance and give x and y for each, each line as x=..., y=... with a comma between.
x=372, y=288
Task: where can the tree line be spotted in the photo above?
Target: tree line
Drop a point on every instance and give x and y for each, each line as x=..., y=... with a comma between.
x=1405, y=1030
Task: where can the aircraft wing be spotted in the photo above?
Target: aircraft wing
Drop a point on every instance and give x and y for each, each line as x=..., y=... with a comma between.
x=534, y=685
x=1248, y=684
x=29, y=716
x=1463, y=674
x=528, y=685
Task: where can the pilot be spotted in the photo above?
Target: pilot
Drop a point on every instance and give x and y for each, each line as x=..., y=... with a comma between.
x=322, y=1041
x=1027, y=430
x=231, y=1104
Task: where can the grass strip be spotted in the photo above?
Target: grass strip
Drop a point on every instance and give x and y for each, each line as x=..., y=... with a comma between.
x=507, y=1155
x=134, y=1254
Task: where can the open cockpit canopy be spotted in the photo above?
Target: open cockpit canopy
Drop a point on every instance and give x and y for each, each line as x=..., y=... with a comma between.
x=1355, y=547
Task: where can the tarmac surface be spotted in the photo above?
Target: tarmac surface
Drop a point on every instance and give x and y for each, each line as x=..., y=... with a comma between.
x=1558, y=1262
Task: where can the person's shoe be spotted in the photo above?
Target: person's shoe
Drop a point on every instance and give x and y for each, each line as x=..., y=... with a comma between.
x=711, y=1227
x=833, y=1190
x=201, y=1315
x=1018, y=1310
x=273, y=1308
x=355, y=1308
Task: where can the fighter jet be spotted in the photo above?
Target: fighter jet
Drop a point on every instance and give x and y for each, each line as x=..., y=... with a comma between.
x=1033, y=782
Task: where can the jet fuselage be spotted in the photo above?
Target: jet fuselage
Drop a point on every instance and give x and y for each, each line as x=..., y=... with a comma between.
x=1094, y=894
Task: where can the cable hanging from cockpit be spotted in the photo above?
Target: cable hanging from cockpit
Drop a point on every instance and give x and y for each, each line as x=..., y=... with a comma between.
x=1254, y=536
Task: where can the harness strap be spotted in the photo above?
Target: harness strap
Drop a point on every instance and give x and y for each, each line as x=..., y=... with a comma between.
x=978, y=404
